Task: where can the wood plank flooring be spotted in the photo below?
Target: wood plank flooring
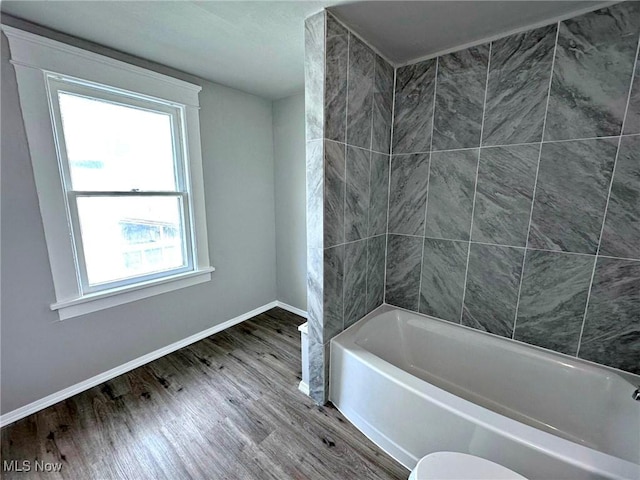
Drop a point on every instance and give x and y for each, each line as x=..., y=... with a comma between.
x=226, y=407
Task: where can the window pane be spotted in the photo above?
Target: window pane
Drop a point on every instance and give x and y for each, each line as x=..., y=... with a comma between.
x=117, y=148
x=126, y=237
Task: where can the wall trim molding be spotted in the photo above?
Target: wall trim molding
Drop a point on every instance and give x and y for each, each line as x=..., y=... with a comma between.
x=292, y=309
x=33, y=41
x=304, y=388
x=63, y=394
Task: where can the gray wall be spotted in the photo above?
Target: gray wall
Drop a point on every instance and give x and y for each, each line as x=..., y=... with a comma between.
x=290, y=198
x=41, y=355
x=349, y=103
x=518, y=219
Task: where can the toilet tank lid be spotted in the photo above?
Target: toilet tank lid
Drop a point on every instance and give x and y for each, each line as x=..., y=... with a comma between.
x=457, y=466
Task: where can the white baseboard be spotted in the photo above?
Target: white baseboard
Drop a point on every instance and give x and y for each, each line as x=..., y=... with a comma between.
x=304, y=388
x=49, y=400
x=292, y=309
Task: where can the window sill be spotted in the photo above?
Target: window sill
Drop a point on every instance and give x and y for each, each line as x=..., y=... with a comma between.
x=99, y=301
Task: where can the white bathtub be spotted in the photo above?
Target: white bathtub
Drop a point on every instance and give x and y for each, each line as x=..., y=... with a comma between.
x=416, y=385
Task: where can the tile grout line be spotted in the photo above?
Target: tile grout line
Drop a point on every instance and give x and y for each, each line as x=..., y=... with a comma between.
x=628, y=259
x=386, y=246
x=368, y=232
x=535, y=182
x=593, y=273
x=475, y=187
x=546, y=142
x=360, y=240
x=366, y=245
x=426, y=201
x=578, y=139
x=373, y=94
x=517, y=247
x=606, y=207
x=344, y=199
x=424, y=229
x=358, y=147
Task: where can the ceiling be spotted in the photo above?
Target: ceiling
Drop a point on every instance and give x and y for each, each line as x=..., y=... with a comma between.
x=258, y=46
x=406, y=31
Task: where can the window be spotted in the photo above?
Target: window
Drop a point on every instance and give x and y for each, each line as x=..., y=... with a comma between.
x=118, y=173
x=123, y=173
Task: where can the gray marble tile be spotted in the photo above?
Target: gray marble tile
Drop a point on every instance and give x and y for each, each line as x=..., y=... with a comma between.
x=632, y=122
x=382, y=106
x=552, y=299
x=318, y=372
x=443, y=267
x=359, y=93
x=460, y=91
x=506, y=177
x=592, y=73
x=314, y=75
x=621, y=235
x=355, y=281
x=356, y=210
x=571, y=194
x=334, y=190
x=413, y=115
x=469, y=60
x=333, y=295
x=518, y=87
x=315, y=293
x=379, y=194
x=611, y=333
x=315, y=309
x=408, y=193
x=376, y=247
x=335, y=95
x=491, y=296
x=315, y=193
x=450, y=200
x=403, y=271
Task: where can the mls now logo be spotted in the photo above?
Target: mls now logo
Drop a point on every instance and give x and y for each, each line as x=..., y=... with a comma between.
x=29, y=466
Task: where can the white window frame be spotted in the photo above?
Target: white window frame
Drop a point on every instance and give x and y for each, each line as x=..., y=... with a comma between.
x=38, y=62
x=57, y=84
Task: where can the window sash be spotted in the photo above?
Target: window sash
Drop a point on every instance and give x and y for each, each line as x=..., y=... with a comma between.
x=57, y=83
x=187, y=243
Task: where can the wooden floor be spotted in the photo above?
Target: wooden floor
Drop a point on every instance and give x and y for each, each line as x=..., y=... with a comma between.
x=226, y=407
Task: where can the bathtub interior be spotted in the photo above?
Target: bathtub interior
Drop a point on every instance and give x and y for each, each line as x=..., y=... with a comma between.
x=573, y=400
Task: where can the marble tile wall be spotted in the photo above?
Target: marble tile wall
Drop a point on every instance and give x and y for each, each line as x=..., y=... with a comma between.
x=314, y=79
x=349, y=95
x=514, y=201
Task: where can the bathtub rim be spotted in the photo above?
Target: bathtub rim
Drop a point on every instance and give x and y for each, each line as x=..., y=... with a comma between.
x=544, y=442
x=632, y=378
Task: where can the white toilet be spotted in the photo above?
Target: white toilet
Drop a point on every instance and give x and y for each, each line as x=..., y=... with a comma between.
x=460, y=466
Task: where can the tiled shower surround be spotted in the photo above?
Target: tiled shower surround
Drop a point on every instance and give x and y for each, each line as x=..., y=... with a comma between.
x=513, y=191
x=349, y=97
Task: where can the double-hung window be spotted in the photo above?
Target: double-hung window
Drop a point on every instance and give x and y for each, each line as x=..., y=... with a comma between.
x=123, y=171
x=117, y=163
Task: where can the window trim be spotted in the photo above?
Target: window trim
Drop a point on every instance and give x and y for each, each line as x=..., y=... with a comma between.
x=35, y=59
x=89, y=90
